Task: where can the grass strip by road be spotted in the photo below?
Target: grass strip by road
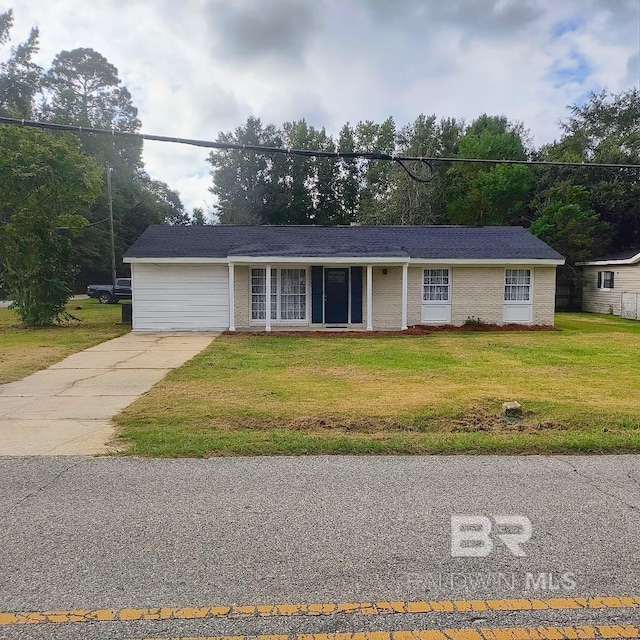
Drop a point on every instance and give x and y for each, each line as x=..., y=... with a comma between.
x=438, y=393
x=25, y=350
x=320, y=609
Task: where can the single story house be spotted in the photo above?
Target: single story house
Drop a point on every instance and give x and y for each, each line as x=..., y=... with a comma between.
x=611, y=284
x=360, y=278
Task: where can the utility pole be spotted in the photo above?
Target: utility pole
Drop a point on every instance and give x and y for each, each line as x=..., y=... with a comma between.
x=113, y=243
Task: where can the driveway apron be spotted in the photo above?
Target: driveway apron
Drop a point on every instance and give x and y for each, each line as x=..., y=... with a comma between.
x=67, y=408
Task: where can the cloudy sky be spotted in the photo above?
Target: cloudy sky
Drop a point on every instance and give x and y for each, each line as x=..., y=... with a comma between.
x=196, y=67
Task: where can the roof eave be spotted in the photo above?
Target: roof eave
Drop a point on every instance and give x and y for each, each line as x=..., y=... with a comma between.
x=174, y=260
x=604, y=263
x=323, y=259
x=489, y=261
x=386, y=260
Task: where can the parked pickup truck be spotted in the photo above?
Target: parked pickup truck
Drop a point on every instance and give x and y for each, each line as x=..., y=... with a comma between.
x=108, y=293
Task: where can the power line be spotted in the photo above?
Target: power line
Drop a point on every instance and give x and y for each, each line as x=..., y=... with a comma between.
x=91, y=224
x=426, y=161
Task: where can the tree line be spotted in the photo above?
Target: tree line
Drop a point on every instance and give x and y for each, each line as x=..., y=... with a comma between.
x=53, y=202
x=580, y=211
x=54, y=230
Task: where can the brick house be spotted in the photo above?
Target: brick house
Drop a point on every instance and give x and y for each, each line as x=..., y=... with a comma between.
x=359, y=278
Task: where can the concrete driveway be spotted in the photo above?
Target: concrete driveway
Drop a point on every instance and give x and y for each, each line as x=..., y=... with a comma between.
x=67, y=408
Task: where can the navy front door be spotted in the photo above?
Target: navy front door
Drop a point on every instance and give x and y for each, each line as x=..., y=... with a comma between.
x=336, y=296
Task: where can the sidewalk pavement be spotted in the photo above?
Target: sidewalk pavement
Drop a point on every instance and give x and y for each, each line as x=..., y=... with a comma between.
x=66, y=409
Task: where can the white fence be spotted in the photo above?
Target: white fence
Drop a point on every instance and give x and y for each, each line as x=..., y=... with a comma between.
x=630, y=307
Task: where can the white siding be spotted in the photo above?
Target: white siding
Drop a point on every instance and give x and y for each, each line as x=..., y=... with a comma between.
x=180, y=297
x=625, y=278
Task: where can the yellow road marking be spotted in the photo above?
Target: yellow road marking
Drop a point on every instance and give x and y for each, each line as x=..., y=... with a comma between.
x=320, y=609
x=503, y=633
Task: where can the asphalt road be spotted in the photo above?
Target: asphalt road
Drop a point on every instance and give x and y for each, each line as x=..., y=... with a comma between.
x=112, y=534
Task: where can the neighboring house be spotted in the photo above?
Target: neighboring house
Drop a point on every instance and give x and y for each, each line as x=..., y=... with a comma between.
x=360, y=278
x=612, y=284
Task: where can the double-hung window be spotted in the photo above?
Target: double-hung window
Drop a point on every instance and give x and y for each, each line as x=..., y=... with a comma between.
x=436, y=296
x=517, y=285
x=605, y=279
x=259, y=293
x=435, y=286
x=288, y=294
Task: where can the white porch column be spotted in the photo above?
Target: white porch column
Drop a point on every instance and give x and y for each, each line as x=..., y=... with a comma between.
x=369, y=298
x=405, y=286
x=267, y=324
x=232, y=298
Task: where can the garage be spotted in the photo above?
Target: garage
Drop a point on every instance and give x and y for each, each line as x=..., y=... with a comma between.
x=180, y=297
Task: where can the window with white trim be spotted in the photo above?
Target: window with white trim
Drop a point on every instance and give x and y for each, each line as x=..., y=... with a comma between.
x=517, y=285
x=435, y=285
x=288, y=294
x=259, y=293
x=605, y=279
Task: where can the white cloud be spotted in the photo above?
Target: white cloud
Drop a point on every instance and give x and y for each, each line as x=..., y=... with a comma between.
x=197, y=67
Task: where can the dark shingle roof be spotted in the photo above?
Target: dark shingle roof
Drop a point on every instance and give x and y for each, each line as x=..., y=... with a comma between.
x=429, y=242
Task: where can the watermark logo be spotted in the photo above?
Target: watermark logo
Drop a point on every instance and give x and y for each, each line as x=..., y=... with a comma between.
x=473, y=536
x=471, y=582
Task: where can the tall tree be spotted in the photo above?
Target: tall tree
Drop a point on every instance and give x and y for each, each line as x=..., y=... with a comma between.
x=567, y=223
x=292, y=177
x=375, y=183
x=6, y=22
x=606, y=128
x=494, y=137
x=20, y=77
x=327, y=206
x=240, y=179
x=485, y=194
x=411, y=201
x=83, y=88
x=166, y=200
x=302, y=189
x=348, y=178
x=46, y=182
x=198, y=217
x=498, y=196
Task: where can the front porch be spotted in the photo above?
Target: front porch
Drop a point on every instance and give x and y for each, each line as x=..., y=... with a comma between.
x=323, y=296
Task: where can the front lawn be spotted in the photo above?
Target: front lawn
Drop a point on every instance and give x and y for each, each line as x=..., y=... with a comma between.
x=437, y=393
x=23, y=350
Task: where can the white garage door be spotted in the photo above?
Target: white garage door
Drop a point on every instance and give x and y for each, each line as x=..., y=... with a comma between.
x=180, y=297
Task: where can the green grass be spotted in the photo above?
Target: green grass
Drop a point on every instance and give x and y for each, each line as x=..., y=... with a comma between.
x=437, y=393
x=25, y=350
